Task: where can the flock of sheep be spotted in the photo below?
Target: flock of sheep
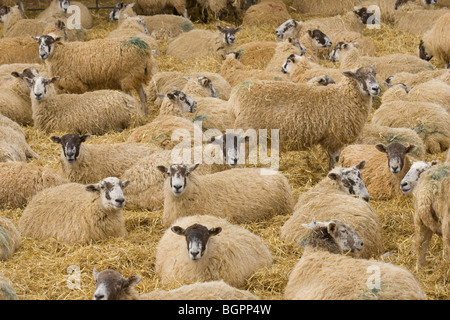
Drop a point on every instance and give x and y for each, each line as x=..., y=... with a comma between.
x=68, y=86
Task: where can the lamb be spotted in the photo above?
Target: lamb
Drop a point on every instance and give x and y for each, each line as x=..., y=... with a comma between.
x=14, y=25
x=436, y=42
x=10, y=239
x=429, y=120
x=13, y=146
x=203, y=43
x=333, y=198
x=216, y=249
x=76, y=213
x=431, y=216
x=111, y=285
x=6, y=289
x=18, y=50
x=151, y=7
x=129, y=64
x=382, y=181
x=88, y=163
x=409, y=182
x=58, y=10
x=96, y=112
x=21, y=181
x=241, y=198
x=324, y=273
x=266, y=13
x=301, y=110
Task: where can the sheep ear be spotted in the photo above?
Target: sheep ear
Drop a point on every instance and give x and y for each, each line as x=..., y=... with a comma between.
x=331, y=227
x=95, y=274
x=237, y=29
x=170, y=96
x=361, y=165
x=124, y=184
x=56, y=139
x=131, y=281
x=178, y=230
x=333, y=176
x=219, y=28
x=434, y=162
x=410, y=148
x=57, y=39
x=161, y=96
x=380, y=147
x=92, y=188
x=35, y=38
x=349, y=74
x=53, y=80
x=214, y=231
x=192, y=168
x=163, y=169
x=15, y=74
x=84, y=137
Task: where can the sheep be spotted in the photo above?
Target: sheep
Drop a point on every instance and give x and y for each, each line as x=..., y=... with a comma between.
x=430, y=121
x=200, y=87
x=76, y=213
x=407, y=20
x=242, y=197
x=323, y=80
x=10, y=238
x=58, y=29
x=300, y=110
x=325, y=7
x=7, y=122
x=283, y=50
x=58, y=10
x=88, y=163
x=216, y=249
x=111, y=285
x=18, y=50
x=234, y=71
x=266, y=13
x=333, y=198
x=13, y=146
x=324, y=273
x=82, y=66
x=95, y=112
x=6, y=289
x=6, y=69
x=382, y=181
x=203, y=43
x=350, y=57
x=410, y=180
x=151, y=7
x=14, y=25
x=413, y=79
x=431, y=210
x=436, y=42
x=21, y=181
x=219, y=6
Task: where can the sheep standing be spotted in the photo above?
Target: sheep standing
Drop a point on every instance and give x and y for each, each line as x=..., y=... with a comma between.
x=10, y=239
x=432, y=214
x=216, y=250
x=96, y=112
x=242, y=195
x=333, y=198
x=57, y=10
x=409, y=182
x=299, y=110
x=87, y=163
x=21, y=181
x=324, y=273
x=82, y=66
x=76, y=213
x=436, y=42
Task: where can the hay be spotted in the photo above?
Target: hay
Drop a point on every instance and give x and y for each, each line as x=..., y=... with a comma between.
x=39, y=269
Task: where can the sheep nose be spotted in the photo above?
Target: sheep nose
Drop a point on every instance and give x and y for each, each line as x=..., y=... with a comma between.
x=366, y=198
x=120, y=201
x=404, y=184
x=194, y=254
x=394, y=169
x=99, y=296
x=177, y=187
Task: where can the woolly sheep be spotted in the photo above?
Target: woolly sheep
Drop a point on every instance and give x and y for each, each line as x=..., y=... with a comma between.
x=10, y=239
x=324, y=273
x=325, y=7
x=76, y=213
x=88, y=163
x=407, y=20
x=111, y=285
x=151, y=7
x=382, y=178
x=18, y=50
x=241, y=195
x=436, y=41
x=283, y=50
x=14, y=25
x=58, y=29
x=409, y=182
x=6, y=69
x=300, y=110
x=82, y=66
x=7, y=122
x=6, y=289
x=58, y=10
x=95, y=112
x=203, y=43
x=266, y=13
x=413, y=79
x=429, y=120
x=21, y=181
x=217, y=250
x=431, y=204
x=13, y=146
x=333, y=198
x=219, y=6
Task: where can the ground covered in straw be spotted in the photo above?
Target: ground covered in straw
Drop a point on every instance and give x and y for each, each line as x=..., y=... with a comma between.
x=47, y=269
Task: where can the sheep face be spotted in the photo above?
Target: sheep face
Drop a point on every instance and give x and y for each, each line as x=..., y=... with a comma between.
x=184, y=102
x=396, y=154
x=46, y=45
x=229, y=33
x=423, y=54
x=319, y=39
x=321, y=80
x=111, y=192
x=231, y=146
x=178, y=176
x=110, y=285
x=64, y=5
x=71, y=144
x=208, y=85
x=4, y=10
x=340, y=47
x=335, y=235
x=297, y=44
x=350, y=180
x=289, y=65
x=118, y=8
x=39, y=85
x=366, y=78
x=409, y=182
x=287, y=29
x=429, y=2
x=197, y=237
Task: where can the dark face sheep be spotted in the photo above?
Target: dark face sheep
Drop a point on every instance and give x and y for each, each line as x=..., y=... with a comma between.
x=114, y=15
x=197, y=237
x=350, y=180
x=290, y=62
x=71, y=144
x=367, y=17
x=229, y=33
x=110, y=285
x=409, y=182
x=423, y=54
x=178, y=176
x=341, y=46
x=207, y=83
x=396, y=155
x=4, y=10
x=111, y=192
x=320, y=39
x=297, y=44
x=231, y=147
x=64, y=5
x=335, y=236
x=366, y=78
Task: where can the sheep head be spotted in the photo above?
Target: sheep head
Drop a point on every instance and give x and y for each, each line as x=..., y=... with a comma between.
x=350, y=180
x=110, y=285
x=111, y=192
x=71, y=145
x=178, y=176
x=396, y=155
x=366, y=79
x=409, y=182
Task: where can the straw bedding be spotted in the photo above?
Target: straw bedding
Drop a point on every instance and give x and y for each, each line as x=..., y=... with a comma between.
x=42, y=269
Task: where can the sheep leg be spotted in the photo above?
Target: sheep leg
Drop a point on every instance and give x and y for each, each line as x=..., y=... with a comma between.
x=143, y=98
x=333, y=156
x=423, y=237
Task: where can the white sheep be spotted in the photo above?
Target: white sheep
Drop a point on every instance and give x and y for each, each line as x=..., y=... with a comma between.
x=206, y=248
x=334, y=198
x=82, y=67
x=436, y=42
x=410, y=180
x=324, y=273
x=14, y=24
x=88, y=163
x=111, y=285
x=59, y=10
x=95, y=112
x=241, y=195
x=10, y=239
x=431, y=199
x=76, y=213
x=301, y=113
